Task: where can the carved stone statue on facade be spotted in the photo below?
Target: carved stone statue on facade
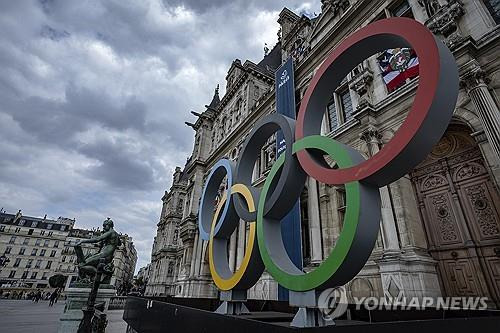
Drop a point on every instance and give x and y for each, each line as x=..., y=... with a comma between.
x=431, y=6
x=107, y=241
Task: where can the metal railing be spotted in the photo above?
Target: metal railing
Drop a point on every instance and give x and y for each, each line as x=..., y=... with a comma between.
x=117, y=303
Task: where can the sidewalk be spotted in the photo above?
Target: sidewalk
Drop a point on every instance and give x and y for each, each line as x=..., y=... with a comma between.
x=22, y=316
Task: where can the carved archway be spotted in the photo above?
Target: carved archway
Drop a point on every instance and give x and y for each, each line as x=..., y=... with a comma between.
x=458, y=203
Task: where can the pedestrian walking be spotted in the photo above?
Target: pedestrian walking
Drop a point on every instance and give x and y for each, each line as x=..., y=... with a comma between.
x=53, y=297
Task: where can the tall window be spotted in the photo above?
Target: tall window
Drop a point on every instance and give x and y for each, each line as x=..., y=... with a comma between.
x=17, y=262
x=42, y=253
x=8, y=249
x=304, y=215
x=38, y=263
x=12, y=240
x=340, y=108
x=494, y=9
x=26, y=241
x=49, y=264
x=33, y=252
x=402, y=9
x=332, y=114
x=346, y=103
x=12, y=274
x=21, y=250
x=25, y=275
x=33, y=275
x=29, y=263
x=341, y=204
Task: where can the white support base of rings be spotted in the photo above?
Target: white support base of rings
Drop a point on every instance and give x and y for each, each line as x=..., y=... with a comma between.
x=309, y=314
x=233, y=302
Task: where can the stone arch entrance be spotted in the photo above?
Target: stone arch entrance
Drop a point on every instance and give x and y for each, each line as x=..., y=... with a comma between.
x=459, y=205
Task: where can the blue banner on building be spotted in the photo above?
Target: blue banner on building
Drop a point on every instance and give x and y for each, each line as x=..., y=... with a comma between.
x=290, y=225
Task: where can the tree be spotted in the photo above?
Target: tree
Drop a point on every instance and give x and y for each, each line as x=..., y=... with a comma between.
x=58, y=281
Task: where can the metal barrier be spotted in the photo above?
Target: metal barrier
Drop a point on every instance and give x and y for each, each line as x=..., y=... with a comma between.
x=117, y=303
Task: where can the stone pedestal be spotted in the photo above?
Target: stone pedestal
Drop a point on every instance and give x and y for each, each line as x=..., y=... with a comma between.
x=76, y=300
x=409, y=275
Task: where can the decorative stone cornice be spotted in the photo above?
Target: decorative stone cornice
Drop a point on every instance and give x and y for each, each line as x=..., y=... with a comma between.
x=187, y=231
x=444, y=22
x=361, y=82
x=335, y=6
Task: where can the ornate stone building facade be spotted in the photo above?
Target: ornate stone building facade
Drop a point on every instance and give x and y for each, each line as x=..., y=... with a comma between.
x=440, y=226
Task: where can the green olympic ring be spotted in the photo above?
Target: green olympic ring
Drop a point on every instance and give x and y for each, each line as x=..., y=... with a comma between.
x=272, y=250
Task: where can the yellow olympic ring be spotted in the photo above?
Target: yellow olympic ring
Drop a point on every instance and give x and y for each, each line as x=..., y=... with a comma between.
x=228, y=283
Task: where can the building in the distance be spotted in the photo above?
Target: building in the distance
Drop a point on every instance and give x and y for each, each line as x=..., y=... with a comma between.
x=67, y=264
x=124, y=264
x=440, y=225
x=33, y=248
x=143, y=273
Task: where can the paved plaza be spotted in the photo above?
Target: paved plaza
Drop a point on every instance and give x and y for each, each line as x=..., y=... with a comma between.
x=23, y=316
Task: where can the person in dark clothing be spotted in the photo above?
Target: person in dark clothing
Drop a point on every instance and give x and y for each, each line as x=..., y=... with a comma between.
x=53, y=297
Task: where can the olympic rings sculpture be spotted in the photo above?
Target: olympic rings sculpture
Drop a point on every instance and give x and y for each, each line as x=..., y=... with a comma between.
x=304, y=156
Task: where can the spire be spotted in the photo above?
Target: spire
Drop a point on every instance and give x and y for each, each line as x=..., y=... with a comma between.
x=215, y=100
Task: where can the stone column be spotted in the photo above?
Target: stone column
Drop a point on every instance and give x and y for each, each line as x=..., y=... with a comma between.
x=314, y=221
x=232, y=251
x=241, y=243
x=475, y=83
x=388, y=230
x=325, y=125
x=193, y=256
x=198, y=257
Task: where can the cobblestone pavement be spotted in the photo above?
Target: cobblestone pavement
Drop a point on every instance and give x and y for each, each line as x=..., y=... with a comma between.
x=20, y=316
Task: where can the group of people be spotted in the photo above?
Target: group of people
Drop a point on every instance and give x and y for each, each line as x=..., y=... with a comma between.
x=35, y=296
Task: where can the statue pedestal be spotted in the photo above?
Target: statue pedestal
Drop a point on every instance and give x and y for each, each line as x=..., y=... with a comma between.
x=76, y=299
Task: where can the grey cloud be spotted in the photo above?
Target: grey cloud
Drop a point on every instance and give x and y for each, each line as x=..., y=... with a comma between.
x=56, y=35
x=94, y=95
x=118, y=165
x=201, y=6
x=58, y=121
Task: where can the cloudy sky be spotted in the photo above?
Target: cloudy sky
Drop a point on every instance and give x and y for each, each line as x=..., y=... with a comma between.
x=94, y=95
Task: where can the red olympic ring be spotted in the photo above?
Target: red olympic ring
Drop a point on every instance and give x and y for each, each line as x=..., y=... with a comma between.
x=427, y=119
